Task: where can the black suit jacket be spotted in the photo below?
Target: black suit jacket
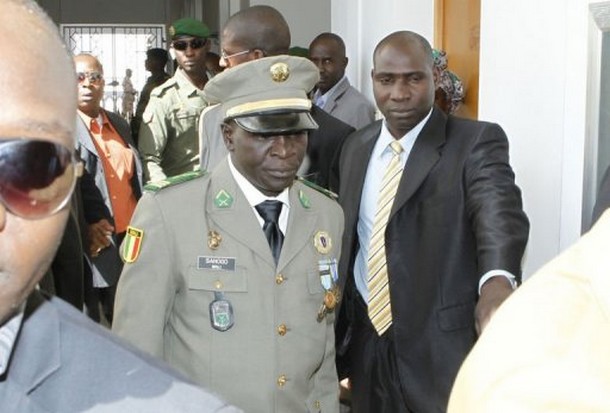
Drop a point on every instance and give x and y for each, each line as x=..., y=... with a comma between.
x=324, y=149
x=457, y=214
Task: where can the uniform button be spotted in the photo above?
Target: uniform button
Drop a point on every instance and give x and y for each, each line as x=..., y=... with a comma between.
x=218, y=284
x=113, y=197
x=112, y=175
x=279, y=279
x=281, y=381
x=316, y=405
x=281, y=329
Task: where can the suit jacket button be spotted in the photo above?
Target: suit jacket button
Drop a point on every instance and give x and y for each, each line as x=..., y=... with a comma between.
x=281, y=329
x=281, y=381
x=279, y=279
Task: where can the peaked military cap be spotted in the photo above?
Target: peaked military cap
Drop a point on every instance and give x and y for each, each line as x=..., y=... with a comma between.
x=189, y=27
x=266, y=96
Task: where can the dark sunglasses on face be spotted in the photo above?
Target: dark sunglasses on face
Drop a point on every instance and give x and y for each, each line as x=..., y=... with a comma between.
x=93, y=77
x=182, y=45
x=37, y=177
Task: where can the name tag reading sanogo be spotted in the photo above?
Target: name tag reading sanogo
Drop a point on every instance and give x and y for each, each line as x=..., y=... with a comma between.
x=216, y=263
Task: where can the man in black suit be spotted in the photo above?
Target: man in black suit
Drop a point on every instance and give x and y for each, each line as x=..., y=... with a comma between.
x=250, y=34
x=450, y=248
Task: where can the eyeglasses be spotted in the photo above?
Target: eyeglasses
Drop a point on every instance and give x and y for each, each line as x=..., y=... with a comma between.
x=226, y=56
x=37, y=177
x=182, y=45
x=93, y=77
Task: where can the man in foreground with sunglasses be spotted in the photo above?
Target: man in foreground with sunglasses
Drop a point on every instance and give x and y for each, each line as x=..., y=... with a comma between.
x=52, y=358
x=168, y=139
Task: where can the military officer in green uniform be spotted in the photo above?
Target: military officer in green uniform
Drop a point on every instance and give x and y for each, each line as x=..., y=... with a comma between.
x=230, y=276
x=168, y=137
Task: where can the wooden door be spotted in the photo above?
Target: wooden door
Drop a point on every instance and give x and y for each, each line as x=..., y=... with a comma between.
x=456, y=31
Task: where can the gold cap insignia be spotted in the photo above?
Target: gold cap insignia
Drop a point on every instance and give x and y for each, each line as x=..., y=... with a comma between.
x=279, y=72
x=172, y=31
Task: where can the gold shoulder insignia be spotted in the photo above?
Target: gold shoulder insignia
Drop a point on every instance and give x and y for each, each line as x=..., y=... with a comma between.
x=318, y=188
x=174, y=180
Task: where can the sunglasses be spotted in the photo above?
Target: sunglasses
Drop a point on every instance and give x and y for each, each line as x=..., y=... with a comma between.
x=93, y=77
x=182, y=45
x=37, y=177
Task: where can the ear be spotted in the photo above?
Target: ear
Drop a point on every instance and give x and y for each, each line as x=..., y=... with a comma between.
x=258, y=53
x=227, y=135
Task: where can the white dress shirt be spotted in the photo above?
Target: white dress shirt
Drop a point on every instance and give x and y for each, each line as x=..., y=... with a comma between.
x=255, y=197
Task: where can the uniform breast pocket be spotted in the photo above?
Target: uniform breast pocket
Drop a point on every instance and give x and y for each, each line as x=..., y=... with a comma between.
x=185, y=120
x=314, y=282
x=218, y=280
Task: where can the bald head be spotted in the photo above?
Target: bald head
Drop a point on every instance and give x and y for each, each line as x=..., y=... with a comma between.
x=37, y=80
x=406, y=39
x=258, y=27
x=38, y=89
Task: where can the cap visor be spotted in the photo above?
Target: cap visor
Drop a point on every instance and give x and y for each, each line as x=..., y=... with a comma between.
x=277, y=123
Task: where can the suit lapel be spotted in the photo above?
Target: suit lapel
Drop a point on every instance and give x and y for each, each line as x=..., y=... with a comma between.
x=224, y=218
x=38, y=348
x=84, y=136
x=339, y=91
x=358, y=161
x=425, y=154
x=301, y=225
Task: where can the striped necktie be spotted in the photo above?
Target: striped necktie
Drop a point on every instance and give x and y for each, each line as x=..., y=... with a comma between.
x=379, y=308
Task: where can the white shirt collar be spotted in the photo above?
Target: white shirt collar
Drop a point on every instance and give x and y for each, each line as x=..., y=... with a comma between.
x=8, y=335
x=318, y=97
x=252, y=194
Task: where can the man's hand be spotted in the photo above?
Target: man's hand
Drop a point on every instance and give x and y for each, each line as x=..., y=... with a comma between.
x=99, y=235
x=493, y=293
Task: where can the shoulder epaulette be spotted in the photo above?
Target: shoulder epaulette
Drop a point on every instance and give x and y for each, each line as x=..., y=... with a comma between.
x=318, y=188
x=160, y=90
x=173, y=180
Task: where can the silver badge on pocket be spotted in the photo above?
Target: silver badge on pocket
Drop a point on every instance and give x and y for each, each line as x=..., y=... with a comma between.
x=221, y=312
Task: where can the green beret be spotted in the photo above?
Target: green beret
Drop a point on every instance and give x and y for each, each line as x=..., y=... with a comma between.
x=189, y=27
x=267, y=95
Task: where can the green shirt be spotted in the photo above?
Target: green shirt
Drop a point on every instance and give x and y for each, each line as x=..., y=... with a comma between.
x=168, y=138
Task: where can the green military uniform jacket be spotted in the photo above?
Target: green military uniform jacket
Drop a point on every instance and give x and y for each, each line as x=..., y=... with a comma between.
x=277, y=356
x=168, y=139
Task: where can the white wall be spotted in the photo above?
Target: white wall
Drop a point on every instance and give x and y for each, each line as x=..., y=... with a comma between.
x=533, y=82
x=306, y=18
x=363, y=23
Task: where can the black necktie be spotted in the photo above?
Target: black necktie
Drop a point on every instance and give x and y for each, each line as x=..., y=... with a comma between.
x=270, y=212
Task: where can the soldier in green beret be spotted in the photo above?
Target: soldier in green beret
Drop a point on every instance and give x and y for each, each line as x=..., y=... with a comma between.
x=168, y=138
x=231, y=276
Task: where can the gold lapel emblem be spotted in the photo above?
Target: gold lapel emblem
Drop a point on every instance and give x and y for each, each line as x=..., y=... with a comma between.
x=214, y=239
x=279, y=72
x=322, y=242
